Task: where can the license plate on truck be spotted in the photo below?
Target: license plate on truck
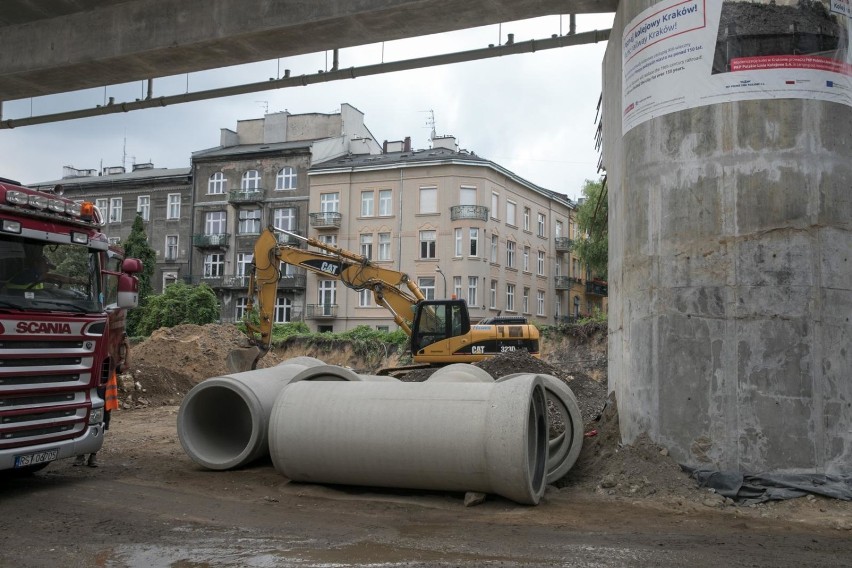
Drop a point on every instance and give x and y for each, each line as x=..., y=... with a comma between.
x=36, y=458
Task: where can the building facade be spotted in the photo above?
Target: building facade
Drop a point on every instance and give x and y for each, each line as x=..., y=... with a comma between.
x=459, y=225
x=256, y=178
x=162, y=197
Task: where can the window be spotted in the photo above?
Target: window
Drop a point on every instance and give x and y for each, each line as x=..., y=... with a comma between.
x=540, y=266
x=384, y=328
x=526, y=300
x=367, y=204
x=558, y=268
x=283, y=310
x=510, y=254
x=173, y=209
x=244, y=263
x=541, y=223
x=474, y=242
x=510, y=213
x=558, y=228
x=428, y=199
x=495, y=205
x=367, y=246
x=365, y=298
x=540, y=302
x=251, y=181
x=384, y=246
x=169, y=278
x=214, y=223
x=526, y=259
x=493, y=295
x=493, y=248
x=427, y=286
x=143, y=207
x=327, y=296
x=171, y=247
x=510, y=297
x=330, y=240
x=286, y=179
x=103, y=207
x=385, y=203
x=527, y=214
x=240, y=308
x=427, y=244
x=467, y=195
x=558, y=308
x=217, y=184
x=249, y=221
x=472, y=287
x=330, y=202
x=284, y=218
x=457, y=286
x=457, y=237
x=214, y=265
x=115, y=210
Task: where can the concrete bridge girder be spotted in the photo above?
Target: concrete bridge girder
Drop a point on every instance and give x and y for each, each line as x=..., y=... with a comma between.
x=65, y=45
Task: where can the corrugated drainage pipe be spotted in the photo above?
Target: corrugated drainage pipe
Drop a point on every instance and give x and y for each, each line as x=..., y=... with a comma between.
x=564, y=449
x=456, y=436
x=223, y=421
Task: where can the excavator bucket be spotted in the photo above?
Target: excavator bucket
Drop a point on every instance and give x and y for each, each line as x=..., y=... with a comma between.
x=243, y=359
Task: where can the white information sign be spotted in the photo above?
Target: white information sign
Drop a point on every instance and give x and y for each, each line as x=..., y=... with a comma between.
x=681, y=54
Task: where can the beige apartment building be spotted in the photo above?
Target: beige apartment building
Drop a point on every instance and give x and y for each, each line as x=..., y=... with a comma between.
x=457, y=224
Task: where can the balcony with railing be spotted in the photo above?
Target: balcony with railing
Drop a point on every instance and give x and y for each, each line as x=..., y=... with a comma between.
x=596, y=288
x=562, y=283
x=320, y=311
x=292, y=281
x=245, y=196
x=563, y=244
x=325, y=220
x=286, y=282
x=473, y=212
x=219, y=240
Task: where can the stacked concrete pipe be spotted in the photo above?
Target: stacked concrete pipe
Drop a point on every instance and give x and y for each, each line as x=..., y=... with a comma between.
x=563, y=449
x=489, y=437
x=223, y=421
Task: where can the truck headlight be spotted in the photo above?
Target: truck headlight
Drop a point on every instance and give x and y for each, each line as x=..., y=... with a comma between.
x=96, y=416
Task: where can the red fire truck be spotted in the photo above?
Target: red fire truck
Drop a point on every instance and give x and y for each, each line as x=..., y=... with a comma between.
x=64, y=294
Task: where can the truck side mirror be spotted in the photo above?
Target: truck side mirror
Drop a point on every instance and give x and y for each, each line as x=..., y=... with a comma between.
x=128, y=290
x=131, y=265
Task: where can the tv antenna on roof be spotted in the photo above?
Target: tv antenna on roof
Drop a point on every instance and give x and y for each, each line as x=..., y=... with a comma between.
x=430, y=122
x=265, y=105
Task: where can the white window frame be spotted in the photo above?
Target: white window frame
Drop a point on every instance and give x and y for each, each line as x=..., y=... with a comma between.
x=250, y=181
x=171, y=247
x=510, y=254
x=510, y=297
x=384, y=247
x=215, y=223
x=365, y=298
x=240, y=307
x=249, y=221
x=173, y=207
x=143, y=207
x=330, y=202
x=511, y=213
x=428, y=244
x=526, y=300
x=214, y=265
x=494, y=245
x=492, y=293
x=526, y=259
x=472, y=288
x=428, y=200
x=244, y=260
x=527, y=216
x=427, y=286
x=115, y=207
x=365, y=242
x=540, y=301
x=540, y=263
x=457, y=287
x=467, y=195
x=459, y=244
x=103, y=206
x=385, y=203
x=368, y=203
x=541, y=225
x=284, y=218
x=286, y=179
x=283, y=310
x=217, y=184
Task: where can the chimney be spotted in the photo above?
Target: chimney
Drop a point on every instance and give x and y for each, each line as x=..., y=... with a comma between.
x=407, y=147
x=385, y=147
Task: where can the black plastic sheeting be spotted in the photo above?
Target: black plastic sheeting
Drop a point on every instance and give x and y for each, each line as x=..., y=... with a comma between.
x=762, y=487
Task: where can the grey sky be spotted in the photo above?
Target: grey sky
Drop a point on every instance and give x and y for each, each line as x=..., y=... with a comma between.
x=533, y=113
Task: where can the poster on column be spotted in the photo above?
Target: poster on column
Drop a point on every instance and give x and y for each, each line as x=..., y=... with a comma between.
x=681, y=54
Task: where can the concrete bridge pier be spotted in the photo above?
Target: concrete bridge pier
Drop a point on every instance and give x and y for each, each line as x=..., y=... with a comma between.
x=730, y=286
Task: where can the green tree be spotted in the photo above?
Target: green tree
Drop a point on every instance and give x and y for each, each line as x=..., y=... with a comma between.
x=592, y=247
x=179, y=304
x=137, y=246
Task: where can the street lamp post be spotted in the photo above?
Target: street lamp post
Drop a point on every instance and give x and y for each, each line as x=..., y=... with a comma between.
x=438, y=270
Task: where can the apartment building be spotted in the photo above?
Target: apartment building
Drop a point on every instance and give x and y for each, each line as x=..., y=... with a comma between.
x=255, y=178
x=456, y=223
x=161, y=196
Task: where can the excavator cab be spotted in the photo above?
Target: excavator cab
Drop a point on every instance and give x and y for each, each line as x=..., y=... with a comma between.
x=436, y=320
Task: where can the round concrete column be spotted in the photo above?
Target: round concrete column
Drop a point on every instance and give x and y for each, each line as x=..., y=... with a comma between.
x=730, y=285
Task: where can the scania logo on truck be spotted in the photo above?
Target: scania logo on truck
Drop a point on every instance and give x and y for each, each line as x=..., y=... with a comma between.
x=42, y=327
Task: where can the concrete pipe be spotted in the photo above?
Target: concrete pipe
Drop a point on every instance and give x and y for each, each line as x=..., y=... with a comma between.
x=564, y=449
x=223, y=421
x=460, y=372
x=457, y=436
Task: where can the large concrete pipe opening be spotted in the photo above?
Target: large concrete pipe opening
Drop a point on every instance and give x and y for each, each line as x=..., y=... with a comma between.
x=223, y=421
x=727, y=142
x=452, y=436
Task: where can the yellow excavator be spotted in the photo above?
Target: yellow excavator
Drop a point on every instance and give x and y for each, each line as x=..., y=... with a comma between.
x=440, y=330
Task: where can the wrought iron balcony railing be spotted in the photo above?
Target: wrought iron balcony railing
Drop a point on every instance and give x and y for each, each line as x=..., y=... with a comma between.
x=563, y=244
x=218, y=240
x=325, y=220
x=596, y=288
x=245, y=196
x=320, y=311
x=475, y=212
x=562, y=283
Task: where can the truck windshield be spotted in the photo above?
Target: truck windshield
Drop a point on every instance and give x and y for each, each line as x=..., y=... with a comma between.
x=40, y=276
